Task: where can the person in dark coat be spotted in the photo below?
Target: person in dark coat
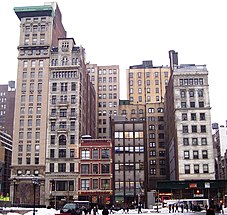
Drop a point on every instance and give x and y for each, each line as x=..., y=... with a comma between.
x=140, y=208
x=210, y=211
x=105, y=211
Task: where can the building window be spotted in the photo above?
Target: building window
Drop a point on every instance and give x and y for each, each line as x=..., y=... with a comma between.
x=72, y=153
x=200, y=93
x=205, y=168
x=105, y=184
x=63, y=112
x=73, y=99
x=204, y=154
x=54, y=86
x=151, y=127
x=184, y=116
x=28, y=160
x=196, y=168
x=162, y=153
x=85, y=154
x=150, y=110
x=185, y=141
x=95, y=169
x=63, y=125
x=152, y=153
x=52, y=139
x=202, y=116
x=51, y=167
x=36, y=160
x=95, y=154
x=72, y=139
x=194, y=128
x=160, y=110
x=162, y=162
x=62, y=153
x=187, y=169
x=203, y=141
x=191, y=93
x=152, y=144
x=195, y=141
x=95, y=184
x=201, y=104
x=153, y=171
x=183, y=93
x=62, y=140
x=71, y=167
x=152, y=135
x=185, y=129
x=64, y=87
x=193, y=116
x=85, y=169
x=85, y=184
x=152, y=162
x=52, y=151
x=200, y=81
x=183, y=104
x=192, y=104
x=61, y=167
x=105, y=168
x=195, y=155
x=186, y=155
x=105, y=153
x=203, y=128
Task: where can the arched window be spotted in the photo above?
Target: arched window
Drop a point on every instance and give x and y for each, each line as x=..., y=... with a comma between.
x=140, y=111
x=62, y=140
x=133, y=111
x=160, y=110
x=52, y=62
x=64, y=61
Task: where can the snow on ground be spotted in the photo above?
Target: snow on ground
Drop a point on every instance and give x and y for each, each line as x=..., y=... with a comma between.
x=45, y=211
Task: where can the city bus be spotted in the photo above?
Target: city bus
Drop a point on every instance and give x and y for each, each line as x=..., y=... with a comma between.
x=192, y=204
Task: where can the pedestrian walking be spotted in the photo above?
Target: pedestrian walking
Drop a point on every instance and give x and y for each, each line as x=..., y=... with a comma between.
x=173, y=208
x=182, y=208
x=170, y=207
x=94, y=211
x=210, y=211
x=140, y=208
x=186, y=206
x=105, y=211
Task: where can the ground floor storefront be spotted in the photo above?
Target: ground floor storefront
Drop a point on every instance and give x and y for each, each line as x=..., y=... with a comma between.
x=213, y=190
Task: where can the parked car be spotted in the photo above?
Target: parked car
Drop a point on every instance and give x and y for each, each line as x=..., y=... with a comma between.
x=70, y=209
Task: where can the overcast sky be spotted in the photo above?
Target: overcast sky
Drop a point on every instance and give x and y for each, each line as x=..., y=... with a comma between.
x=126, y=32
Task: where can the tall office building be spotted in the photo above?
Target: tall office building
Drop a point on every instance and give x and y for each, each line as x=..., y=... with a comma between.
x=220, y=147
x=146, y=91
x=189, y=138
x=72, y=112
x=6, y=143
x=40, y=28
x=106, y=82
x=7, y=104
x=130, y=161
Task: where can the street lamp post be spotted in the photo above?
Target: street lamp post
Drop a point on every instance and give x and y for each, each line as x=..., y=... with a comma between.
x=34, y=182
x=14, y=191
